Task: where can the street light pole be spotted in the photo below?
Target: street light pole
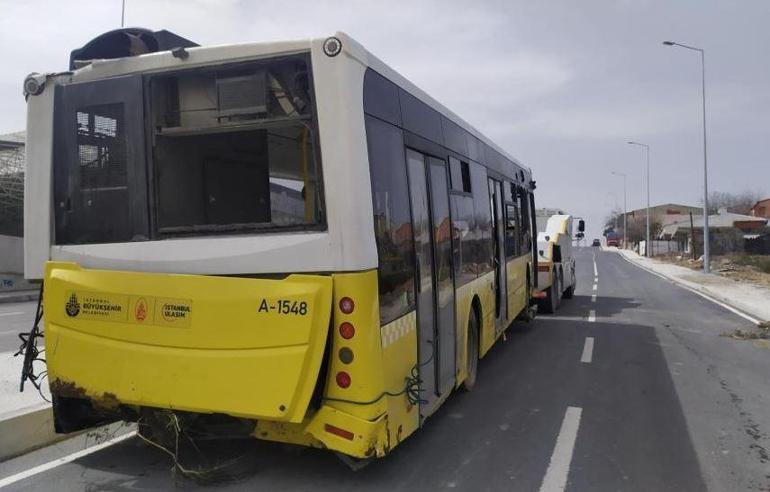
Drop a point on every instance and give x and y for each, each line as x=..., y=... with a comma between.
x=647, y=246
x=625, y=211
x=706, y=247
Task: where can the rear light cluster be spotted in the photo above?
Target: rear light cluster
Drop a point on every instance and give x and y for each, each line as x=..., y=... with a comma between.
x=347, y=331
x=347, y=305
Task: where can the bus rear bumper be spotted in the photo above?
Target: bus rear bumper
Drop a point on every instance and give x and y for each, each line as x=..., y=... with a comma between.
x=332, y=429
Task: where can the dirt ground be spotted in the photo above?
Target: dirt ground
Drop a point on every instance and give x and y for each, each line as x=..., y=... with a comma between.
x=727, y=266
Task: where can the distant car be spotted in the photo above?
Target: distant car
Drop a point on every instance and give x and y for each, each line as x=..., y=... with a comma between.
x=596, y=243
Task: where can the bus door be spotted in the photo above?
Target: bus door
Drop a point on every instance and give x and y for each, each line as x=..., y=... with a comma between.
x=432, y=229
x=498, y=251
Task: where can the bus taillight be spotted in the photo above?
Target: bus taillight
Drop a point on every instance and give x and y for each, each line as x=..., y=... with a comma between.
x=343, y=379
x=347, y=305
x=347, y=330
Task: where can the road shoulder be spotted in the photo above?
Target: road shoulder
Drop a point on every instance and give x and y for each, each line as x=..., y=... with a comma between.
x=747, y=299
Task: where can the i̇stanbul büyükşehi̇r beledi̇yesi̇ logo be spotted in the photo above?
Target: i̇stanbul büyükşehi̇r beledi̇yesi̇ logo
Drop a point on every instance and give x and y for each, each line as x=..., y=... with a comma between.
x=73, y=306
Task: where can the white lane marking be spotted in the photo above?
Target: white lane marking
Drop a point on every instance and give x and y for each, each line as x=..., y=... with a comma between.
x=588, y=351
x=12, y=313
x=743, y=315
x=591, y=316
x=596, y=280
x=596, y=272
x=594, y=286
x=593, y=298
x=64, y=460
x=556, y=475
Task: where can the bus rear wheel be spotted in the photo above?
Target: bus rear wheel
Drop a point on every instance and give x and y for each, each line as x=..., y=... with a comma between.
x=472, y=363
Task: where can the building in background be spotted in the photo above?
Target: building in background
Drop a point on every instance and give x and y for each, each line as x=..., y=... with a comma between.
x=761, y=208
x=729, y=232
x=11, y=210
x=666, y=213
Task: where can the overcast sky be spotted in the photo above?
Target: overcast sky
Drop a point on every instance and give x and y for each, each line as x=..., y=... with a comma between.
x=560, y=85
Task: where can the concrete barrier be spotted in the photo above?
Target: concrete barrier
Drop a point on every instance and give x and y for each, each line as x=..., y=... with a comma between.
x=27, y=429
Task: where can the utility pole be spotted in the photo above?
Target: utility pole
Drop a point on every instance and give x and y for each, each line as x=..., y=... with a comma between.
x=647, y=250
x=706, y=246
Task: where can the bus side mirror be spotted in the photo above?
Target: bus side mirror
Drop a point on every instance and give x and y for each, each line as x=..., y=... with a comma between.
x=581, y=225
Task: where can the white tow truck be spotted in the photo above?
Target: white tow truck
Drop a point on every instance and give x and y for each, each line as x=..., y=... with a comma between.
x=556, y=278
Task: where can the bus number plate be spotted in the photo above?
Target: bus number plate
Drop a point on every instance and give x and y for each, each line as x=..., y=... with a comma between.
x=283, y=306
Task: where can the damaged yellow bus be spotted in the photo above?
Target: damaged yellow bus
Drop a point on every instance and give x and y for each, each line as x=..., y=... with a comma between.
x=285, y=238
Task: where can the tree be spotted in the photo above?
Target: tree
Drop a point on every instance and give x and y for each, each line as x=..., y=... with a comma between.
x=614, y=220
x=738, y=203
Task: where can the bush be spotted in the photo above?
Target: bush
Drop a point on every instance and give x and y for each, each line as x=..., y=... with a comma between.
x=761, y=263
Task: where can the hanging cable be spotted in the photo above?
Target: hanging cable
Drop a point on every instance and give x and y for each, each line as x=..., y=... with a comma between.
x=31, y=353
x=412, y=386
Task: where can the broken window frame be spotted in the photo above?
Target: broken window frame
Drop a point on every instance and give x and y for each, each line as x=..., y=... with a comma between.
x=310, y=121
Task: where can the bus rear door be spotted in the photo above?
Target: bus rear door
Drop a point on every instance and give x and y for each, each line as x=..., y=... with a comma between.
x=429, y=196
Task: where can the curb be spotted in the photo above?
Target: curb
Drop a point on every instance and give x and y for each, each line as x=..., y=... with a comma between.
x=27, y=429
x=21, y=296
x=729, y=304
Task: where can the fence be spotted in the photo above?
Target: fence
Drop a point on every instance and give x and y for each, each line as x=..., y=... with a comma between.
x=659, y=247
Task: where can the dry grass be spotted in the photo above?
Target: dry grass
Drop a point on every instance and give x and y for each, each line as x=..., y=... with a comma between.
x=758, y=332
x=745, y=268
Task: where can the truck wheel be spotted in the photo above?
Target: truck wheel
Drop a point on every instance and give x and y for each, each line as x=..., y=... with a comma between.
x=472, y=363
x=571, y=289
x=551, y=301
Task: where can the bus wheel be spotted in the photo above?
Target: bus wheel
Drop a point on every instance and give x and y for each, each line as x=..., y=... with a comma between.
x=472, y=363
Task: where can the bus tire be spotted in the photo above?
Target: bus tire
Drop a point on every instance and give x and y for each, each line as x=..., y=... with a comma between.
x=472, y=363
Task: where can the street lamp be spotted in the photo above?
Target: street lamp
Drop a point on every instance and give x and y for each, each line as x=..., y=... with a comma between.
x=625, y=211
x=647, y=246
x=706, y=256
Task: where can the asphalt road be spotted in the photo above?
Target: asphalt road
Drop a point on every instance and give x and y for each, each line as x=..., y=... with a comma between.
x=15, y=317
x=660, y=401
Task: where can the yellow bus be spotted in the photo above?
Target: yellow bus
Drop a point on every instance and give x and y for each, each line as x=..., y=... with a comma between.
x=288, y=238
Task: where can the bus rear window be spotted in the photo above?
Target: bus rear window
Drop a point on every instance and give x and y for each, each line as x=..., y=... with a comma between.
x=234, y=149
x=219, y=149
x=226, y=181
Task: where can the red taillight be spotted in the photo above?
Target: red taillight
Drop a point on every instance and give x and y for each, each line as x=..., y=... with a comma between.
x=347, y=330
x=343, y=379
x=338, y=432
x=347, y=305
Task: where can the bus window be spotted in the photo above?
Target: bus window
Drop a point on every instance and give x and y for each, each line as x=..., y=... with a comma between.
x=392, y=219
x=526, y=230
x=511, y=230
x=482, y=252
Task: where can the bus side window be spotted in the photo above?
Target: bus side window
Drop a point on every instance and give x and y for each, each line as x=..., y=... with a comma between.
x=526, y=230
x=392, y=219
x=482, y=229
x=511, y=230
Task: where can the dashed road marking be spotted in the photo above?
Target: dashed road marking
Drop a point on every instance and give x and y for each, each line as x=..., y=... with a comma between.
x=595, y=287
x=593, y=298
x=63, y=460
x=558, y=469
x=588, y=351
x=596, y=272
x=12, y=313
x=591, y=316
